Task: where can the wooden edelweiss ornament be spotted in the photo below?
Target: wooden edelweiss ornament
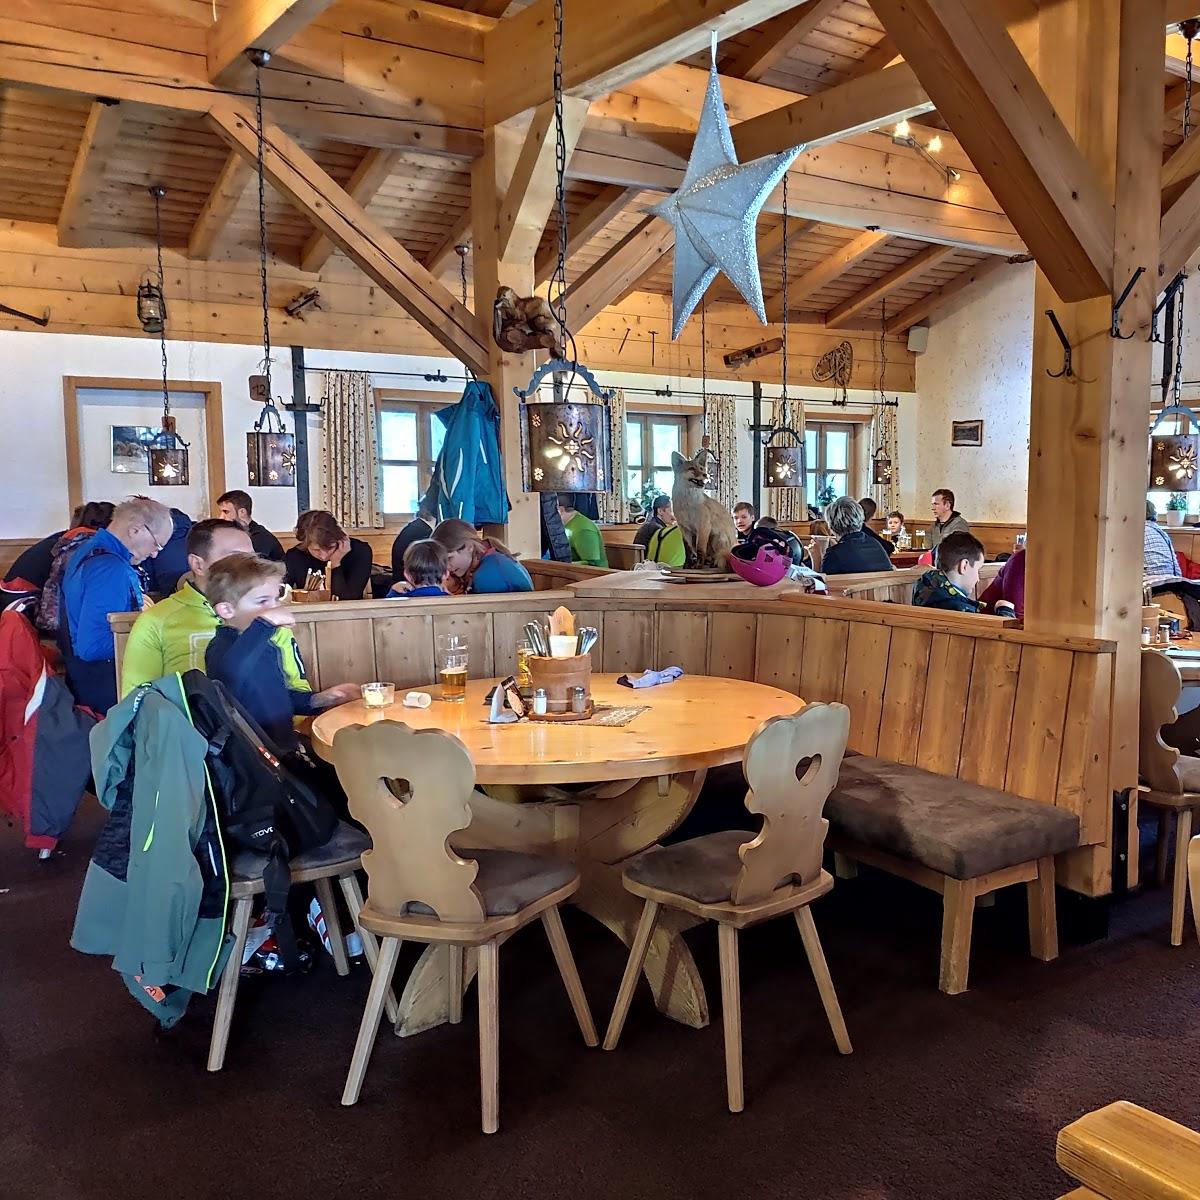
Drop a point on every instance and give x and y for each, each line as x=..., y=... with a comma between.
x=521, y=325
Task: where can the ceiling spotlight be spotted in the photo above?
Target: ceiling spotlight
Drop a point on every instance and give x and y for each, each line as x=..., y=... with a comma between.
x=935, y=144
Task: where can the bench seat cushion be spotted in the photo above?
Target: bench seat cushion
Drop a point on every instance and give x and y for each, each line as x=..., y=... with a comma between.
x=957, y=828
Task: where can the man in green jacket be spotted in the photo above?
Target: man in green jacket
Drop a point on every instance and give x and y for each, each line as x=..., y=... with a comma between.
x=587, y=546
x=174, y=634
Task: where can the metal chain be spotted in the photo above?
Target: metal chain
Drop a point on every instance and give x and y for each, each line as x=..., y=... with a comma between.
x=1189, y=33
x=157, y=192
x=461, y=251
x=704, y=360
x=784, y=407
x=262, y=229
x=882, y=348
x=558, y=281
x=1177, y=379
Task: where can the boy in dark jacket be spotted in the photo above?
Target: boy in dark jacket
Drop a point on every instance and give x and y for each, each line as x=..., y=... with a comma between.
x=425, y=569
x=254, y=653
x=953, y=583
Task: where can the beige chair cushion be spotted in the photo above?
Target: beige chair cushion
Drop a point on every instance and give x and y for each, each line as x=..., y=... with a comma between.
x=703, y=869
x=509, y=882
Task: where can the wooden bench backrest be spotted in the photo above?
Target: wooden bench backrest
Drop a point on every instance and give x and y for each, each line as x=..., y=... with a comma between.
x=895, y=586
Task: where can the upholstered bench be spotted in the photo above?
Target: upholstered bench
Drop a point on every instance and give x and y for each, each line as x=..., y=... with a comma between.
x=956, y=838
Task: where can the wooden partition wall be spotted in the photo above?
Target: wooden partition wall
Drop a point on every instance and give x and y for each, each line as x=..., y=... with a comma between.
x=954, y=693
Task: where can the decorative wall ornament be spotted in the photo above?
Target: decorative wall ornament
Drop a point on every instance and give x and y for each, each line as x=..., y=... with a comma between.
x=715, y=211
x=966, y=433
x=836, y=366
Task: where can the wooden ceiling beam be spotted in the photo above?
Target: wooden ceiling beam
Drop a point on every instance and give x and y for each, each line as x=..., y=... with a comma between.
x=825, y=272
x=258, y=24
x=985, y=90
x=438, y=262
x=920, y=310
x=531, y=193
x=613, y=275
x=359, y=236
x=608, y=45
x=236, y=176
x=1183, y=162
x=596, y=215
x=1180, y=232
x=881, y=55
x=776, y=39
x=1181, y=10
x=906, y=272
x=369, y=176
x=891, y=95
x=100, y=134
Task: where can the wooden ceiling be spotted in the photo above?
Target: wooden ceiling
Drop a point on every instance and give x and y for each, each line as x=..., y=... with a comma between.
x=423, y=199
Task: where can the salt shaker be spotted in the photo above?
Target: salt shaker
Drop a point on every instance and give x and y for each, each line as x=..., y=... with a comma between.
x=539, y=702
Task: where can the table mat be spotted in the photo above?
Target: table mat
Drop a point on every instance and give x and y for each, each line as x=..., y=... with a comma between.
x=615, y=716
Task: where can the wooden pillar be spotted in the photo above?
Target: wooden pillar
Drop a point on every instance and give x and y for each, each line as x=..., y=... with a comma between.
x=490, y=180
x=1101, y=66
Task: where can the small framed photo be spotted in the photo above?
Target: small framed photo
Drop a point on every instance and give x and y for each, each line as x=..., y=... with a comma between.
x=966, y=433
x=129, y=448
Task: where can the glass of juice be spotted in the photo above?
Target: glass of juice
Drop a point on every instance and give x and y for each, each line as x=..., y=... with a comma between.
x=452, y=666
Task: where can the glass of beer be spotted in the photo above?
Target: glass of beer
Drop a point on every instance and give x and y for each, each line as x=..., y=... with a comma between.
x=452, y=666
x=524, y=654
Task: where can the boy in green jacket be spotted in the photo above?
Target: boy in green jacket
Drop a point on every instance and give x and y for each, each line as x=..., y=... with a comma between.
x=587, y=546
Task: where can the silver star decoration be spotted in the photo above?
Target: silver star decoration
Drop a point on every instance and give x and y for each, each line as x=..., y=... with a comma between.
x=715, y=212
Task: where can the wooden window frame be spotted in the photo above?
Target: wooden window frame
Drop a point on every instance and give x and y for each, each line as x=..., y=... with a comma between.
x=214, y=426
x=854, y=429
x=645, y=417
x=421, y=404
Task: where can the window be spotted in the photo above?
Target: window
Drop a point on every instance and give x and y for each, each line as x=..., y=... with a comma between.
x=650, y=439
x=410, y=439
x=828, y=452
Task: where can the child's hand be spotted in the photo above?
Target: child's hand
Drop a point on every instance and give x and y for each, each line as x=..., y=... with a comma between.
x=278, y=616
x=401, y=587
x=340, y=693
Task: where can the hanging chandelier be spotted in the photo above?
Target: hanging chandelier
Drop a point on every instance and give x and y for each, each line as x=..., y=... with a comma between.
x=270, y=449
x=167, y=452
x=566, y=443
x=784, y=464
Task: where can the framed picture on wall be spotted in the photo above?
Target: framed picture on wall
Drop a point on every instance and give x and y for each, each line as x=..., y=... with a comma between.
x=966, y=433
x=130, y=444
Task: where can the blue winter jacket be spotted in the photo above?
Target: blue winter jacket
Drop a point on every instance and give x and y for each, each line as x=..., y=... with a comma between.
x=499, y=573
x=468, y=477
x=100, y=579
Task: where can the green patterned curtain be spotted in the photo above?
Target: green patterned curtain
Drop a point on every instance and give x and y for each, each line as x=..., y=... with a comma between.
x=350, y=483
x=720, y=426
x=614, y=504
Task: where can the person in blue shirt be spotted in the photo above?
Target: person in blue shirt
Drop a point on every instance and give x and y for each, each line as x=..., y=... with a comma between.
x=102, y=578
x=425, y=569
x=478, y=564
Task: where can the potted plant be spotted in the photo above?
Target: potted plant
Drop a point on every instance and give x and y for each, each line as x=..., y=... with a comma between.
x=1176, y=507
x=826, y=495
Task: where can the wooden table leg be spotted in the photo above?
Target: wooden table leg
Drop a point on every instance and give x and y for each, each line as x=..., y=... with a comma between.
x=615, y=821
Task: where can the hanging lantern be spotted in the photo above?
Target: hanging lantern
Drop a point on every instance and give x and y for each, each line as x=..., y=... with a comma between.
x=784, y=466
x=567, y=447
x=1175, y=457
x=565, y=443
x=881, y=468
x=151, y=307
x=167, y=453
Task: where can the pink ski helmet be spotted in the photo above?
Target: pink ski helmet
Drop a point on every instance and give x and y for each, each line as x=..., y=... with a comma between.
x=762, y=559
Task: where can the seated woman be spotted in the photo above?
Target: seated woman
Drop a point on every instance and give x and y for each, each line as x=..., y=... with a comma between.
x=854, y=552
x=25, y=584
x=1008, y=587
x=322, y=540
x=478, y=564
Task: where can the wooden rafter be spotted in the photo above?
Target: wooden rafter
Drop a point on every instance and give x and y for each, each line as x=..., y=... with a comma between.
x=984, y=88
x=825, y=272
x=615, y=274
x=776, y=39
x=262, y=24
x=607, y=45
x=906, y=272
x=437, y=263
x=1181, y=10
x=359, y=236
x=235, y=177
x=926, y=306
x=369, y=176
x=595, y=216
x=531, y=193
x=881, y=55
x=1183, y=162
x=1180, y=235
x=87, y=174
x=890, y=95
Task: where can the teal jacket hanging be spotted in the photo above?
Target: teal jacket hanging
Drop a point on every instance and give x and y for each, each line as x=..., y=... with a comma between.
x=468, y=477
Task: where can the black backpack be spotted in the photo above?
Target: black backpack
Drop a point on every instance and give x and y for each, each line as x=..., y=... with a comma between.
x=264, y=798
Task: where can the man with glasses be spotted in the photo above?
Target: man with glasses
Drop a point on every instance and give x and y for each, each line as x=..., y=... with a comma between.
x=101, y=579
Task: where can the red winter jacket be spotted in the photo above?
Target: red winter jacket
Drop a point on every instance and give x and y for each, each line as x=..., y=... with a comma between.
x=44, y=758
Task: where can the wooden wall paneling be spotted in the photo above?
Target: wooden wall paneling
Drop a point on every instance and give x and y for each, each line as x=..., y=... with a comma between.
x=346, y=652
x=867, y=650
x=779, y=652
x=904, y=695
x=1082, y=778
x=306, y=640
x=683, y=641
x=1035, y=746
x=731, y=639
x=823, y=668
x=950, y=662
x=477, y=628
x=988, y=724
x=404, y=650
x=627, y=641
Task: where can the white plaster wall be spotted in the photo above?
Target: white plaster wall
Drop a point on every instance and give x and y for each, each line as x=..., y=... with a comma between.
x=33, y=483
x=978, y=366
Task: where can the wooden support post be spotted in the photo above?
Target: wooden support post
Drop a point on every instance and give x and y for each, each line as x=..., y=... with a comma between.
x=1101, y=67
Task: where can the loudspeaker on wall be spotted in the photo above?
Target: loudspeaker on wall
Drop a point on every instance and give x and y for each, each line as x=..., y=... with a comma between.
x=918, y=338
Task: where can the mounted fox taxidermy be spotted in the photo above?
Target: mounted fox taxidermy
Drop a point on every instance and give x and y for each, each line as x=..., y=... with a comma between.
x=708, y=530
x=522, y=325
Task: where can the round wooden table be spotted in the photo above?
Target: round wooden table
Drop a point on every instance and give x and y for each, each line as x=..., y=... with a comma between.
x=592, y=793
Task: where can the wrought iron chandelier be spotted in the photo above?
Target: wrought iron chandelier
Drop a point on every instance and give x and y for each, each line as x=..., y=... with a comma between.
x=167, y=453
x=567, y=445
x=270, y=449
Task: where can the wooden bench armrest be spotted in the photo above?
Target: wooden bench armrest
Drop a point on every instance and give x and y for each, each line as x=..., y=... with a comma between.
x=1123, y=1152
